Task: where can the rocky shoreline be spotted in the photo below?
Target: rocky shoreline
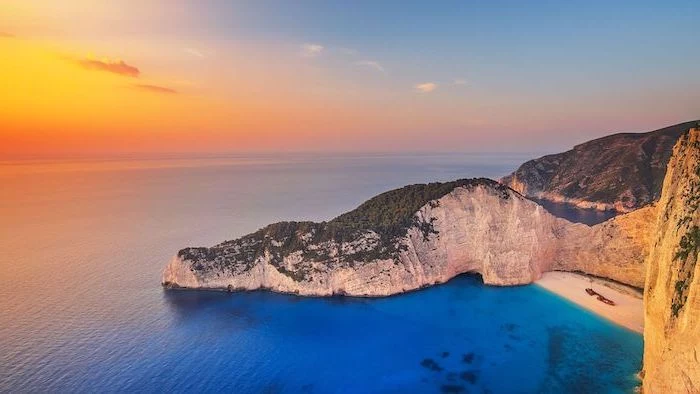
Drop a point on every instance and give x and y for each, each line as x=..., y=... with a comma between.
x=619, y=172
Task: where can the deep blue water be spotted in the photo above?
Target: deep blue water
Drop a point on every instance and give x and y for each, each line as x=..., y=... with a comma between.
x=81, y=309
x=460, y=336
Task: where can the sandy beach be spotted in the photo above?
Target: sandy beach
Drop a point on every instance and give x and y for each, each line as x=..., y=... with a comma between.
x=628, y=311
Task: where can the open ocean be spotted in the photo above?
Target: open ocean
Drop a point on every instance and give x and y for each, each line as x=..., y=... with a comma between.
x=83, y=244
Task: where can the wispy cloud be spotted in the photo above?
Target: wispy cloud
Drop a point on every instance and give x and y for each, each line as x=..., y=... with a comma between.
x=371, y=64
x=426, y=87
x=155, y=89
x=112, y=66
x=194, y=52
x=6, y=35
x=460, y=81
x=311, y=50
x=347, y=51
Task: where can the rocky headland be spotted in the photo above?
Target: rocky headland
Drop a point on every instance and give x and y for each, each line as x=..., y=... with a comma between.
x=620, y=172
x=417, y=236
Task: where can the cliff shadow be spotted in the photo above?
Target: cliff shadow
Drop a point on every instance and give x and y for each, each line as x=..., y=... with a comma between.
x=575, y=214
x=210, y=306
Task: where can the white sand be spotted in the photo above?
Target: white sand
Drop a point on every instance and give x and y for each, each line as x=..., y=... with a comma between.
x=628, y=311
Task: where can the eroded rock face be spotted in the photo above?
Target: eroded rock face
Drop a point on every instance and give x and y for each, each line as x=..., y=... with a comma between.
x=619, y=172
x=479, y=227
x=615, y=249
x=672, y=291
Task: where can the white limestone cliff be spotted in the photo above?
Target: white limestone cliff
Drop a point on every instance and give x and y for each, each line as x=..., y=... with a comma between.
x=509, y=241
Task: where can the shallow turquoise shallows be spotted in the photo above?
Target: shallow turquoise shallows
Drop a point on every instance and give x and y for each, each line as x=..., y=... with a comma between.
x=81, y=308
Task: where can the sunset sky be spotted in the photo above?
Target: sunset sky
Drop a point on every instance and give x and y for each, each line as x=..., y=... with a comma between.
x=161, y=76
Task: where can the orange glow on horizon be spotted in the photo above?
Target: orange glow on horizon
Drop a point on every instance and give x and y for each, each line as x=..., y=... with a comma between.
x=85, y=77
x=56, y=102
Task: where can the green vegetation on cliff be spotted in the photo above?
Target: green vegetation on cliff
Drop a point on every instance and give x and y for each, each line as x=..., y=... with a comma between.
x=393, y=212
x=382, y=220
x=686, y=255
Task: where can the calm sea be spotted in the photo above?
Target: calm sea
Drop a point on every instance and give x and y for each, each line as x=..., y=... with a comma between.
x=83, y=244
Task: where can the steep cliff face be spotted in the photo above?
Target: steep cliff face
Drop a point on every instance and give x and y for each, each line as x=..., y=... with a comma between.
x=672, y=291
x=469, y=226
x=615, y=249
x=620, y=172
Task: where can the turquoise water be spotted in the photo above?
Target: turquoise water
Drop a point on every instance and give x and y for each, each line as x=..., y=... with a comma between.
x=81, y=309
